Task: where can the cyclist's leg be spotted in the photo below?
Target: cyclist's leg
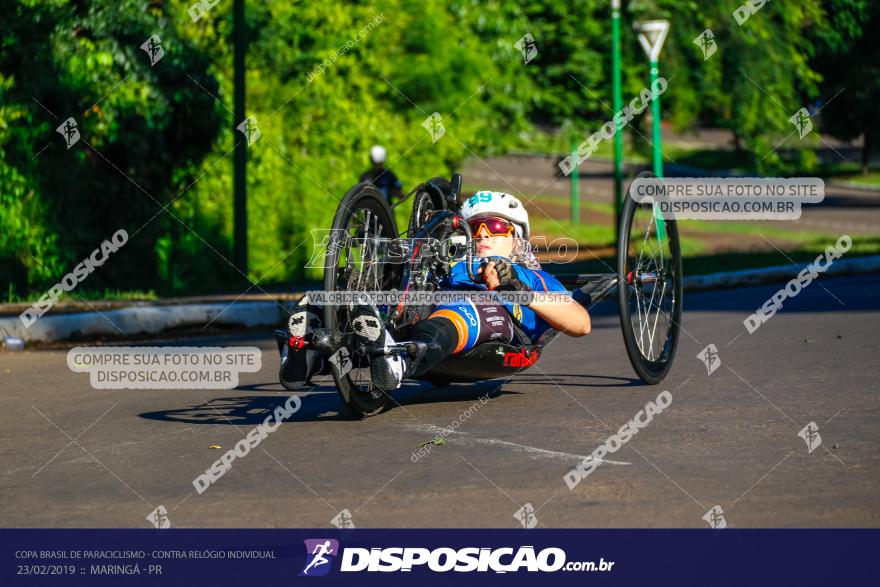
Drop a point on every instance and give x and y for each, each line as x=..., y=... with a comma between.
x=456, y=328
x=437, y=331
x=298, y=362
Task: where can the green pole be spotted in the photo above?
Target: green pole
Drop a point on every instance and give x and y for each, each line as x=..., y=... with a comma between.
x=617, y=100
x=240, y=156
x=658, y=149
x=655, y=114
x=575, y=188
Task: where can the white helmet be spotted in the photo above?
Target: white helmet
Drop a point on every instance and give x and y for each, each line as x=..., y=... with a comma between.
x=377, y=154
x=497, y=204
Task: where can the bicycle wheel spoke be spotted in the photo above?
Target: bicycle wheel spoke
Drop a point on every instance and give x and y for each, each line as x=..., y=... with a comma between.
x=657, y=317
x=650, y=304
x=639, y=314
x=649, y=270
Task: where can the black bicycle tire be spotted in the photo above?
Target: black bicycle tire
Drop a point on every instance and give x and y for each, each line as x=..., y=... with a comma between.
x=358, y=403
x=651, y=372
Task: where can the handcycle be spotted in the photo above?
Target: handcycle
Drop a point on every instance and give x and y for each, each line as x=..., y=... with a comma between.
x=365, y=253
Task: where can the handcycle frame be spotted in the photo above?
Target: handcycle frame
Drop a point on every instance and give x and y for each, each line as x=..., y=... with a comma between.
x=435, y=211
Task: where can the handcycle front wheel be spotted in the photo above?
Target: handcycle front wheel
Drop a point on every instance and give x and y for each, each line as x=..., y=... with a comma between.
x=353, y=263
x=649, y=289
x=429, y=199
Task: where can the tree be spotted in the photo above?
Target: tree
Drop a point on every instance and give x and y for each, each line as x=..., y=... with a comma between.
x=847, y=57
x=142, y=128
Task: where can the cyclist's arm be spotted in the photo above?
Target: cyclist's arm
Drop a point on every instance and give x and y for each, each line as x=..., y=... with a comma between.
x=561, y=312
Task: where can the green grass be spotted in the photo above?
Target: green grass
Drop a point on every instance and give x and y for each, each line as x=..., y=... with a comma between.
x=592, y=234
x=752, y=260
x=112, y=295
x=599, y=236
x=709, y=159
x=703, y=264
x=714, y=159
x=554, y=144
x=107, y=295
x=709, y=226
x=724, y=227
x=802, y=246
x=871, y=179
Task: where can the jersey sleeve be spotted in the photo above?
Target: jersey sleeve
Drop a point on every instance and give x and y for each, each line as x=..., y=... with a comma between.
x=536, y=280
x=458, y=275
x=539, y=280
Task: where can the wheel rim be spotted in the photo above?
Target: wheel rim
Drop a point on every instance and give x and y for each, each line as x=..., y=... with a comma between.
x=423, y=207
x=651, y=281
x=360, y=267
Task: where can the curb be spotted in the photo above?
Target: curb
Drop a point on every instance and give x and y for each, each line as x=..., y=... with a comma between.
x=145, y=320
x=870, y=264
x=156, y=319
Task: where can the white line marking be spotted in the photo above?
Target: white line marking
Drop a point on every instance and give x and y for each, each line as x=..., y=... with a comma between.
x=463, y=438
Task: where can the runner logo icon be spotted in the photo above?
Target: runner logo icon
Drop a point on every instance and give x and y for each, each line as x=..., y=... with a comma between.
x=320, y=554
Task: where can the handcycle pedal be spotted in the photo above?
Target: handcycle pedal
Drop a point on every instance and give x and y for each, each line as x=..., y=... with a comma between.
x=285, y=339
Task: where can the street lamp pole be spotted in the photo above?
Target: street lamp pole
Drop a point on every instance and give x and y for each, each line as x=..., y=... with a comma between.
x=617, y=100
x=575, y=188
x=239, y=208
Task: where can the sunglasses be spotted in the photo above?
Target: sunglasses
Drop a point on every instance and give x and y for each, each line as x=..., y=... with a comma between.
x=482, y=227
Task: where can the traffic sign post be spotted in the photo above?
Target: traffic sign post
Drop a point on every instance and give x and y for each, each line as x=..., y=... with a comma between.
x=652, y=34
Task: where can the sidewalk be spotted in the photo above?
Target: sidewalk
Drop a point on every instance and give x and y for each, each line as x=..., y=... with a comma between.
x=70, y=306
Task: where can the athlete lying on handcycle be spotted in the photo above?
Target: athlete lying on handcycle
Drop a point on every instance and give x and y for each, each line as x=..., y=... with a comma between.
x=500, y=227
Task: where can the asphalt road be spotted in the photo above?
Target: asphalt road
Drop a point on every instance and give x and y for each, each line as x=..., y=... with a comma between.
x=73, y=456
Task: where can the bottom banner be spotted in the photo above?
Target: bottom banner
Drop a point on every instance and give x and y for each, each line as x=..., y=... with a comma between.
x=436, y=557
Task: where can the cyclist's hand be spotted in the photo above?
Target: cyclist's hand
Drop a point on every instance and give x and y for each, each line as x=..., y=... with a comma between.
x=490, y=274
x=500, y=273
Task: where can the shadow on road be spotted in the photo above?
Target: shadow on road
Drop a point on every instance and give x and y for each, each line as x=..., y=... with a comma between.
x=564, y=380
x=321, y=404
x=251, y=410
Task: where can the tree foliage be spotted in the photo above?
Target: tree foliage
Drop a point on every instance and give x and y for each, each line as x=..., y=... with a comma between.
x=849, y=63
x=325, y=81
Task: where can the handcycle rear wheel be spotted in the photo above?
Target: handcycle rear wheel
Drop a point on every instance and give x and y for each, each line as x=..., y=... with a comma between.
x=353, y=263
x=649, y=289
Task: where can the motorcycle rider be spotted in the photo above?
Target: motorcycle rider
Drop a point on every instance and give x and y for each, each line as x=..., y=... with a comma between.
x=381, y=177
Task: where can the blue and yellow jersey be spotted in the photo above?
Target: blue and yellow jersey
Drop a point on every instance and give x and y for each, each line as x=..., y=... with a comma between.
x=536, y=280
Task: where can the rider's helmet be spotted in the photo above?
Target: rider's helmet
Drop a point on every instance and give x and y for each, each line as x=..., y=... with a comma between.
x=501, y=205
x=377, y=154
